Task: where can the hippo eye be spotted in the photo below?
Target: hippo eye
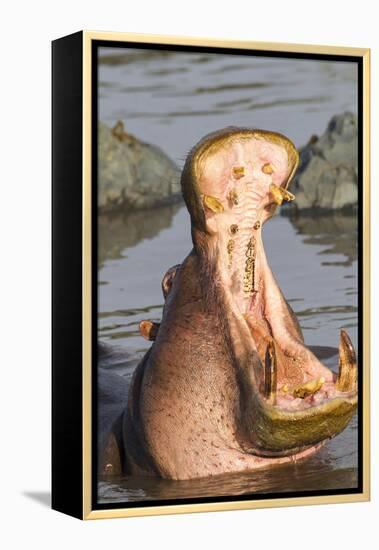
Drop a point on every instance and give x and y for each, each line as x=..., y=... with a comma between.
x=238, y=172
x=268, y=168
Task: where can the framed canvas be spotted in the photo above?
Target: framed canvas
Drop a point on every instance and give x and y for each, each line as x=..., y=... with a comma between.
x=210, y=275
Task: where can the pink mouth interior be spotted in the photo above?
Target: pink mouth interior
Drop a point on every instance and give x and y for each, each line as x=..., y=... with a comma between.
x=235, y=176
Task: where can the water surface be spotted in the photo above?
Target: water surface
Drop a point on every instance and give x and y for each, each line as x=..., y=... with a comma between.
x=174, y=99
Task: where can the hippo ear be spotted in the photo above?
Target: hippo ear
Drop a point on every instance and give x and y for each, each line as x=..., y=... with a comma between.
x=168, y=279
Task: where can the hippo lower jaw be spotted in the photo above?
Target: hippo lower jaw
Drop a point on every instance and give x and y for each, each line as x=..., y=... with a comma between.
x=292, y=401
x=288, y=419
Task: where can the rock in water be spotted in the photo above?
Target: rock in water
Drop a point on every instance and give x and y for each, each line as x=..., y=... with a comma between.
x=328, y=174
x=133, y=174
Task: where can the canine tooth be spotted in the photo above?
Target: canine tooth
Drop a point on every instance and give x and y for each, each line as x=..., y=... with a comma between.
x=213, y=204
x=149, y=330
x=279, y=194
x=276, y=194
x=348, y=371
x=270, y=373
x=309, y=388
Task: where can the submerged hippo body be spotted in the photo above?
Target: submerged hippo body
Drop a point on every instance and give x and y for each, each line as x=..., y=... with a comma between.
x=228, y=384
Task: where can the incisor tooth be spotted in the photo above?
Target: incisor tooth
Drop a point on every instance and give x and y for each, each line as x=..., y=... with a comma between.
x=348, y=371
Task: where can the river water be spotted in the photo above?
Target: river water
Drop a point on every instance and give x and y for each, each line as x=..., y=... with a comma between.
x=172, y=100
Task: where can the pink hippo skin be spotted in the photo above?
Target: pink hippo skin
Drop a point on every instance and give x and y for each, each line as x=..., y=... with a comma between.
x=228, y=384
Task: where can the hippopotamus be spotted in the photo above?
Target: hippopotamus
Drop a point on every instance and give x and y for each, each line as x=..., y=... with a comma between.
x=228, y=384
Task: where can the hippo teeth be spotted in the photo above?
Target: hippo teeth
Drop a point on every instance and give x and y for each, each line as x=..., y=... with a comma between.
x=319, y=389
x=310, y=388
x=270, y=373
x=279, y=194
x=213, y=204
x=348, y=371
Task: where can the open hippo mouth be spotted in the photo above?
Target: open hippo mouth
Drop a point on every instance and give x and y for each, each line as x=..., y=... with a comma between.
x=239, y=178
x=229, y=384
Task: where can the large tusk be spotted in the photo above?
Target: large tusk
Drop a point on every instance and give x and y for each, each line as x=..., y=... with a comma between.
x=280, y=194
x=270, y=373
x=348, y=371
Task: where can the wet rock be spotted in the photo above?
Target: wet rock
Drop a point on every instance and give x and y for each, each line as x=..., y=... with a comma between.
x=133, y=174
x=328, y=174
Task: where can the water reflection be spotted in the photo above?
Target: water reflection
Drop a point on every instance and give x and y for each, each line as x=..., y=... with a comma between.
x=336, y=232
x=302, y=478
x=196, y=93
x=333, y=467
x=117, y=232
